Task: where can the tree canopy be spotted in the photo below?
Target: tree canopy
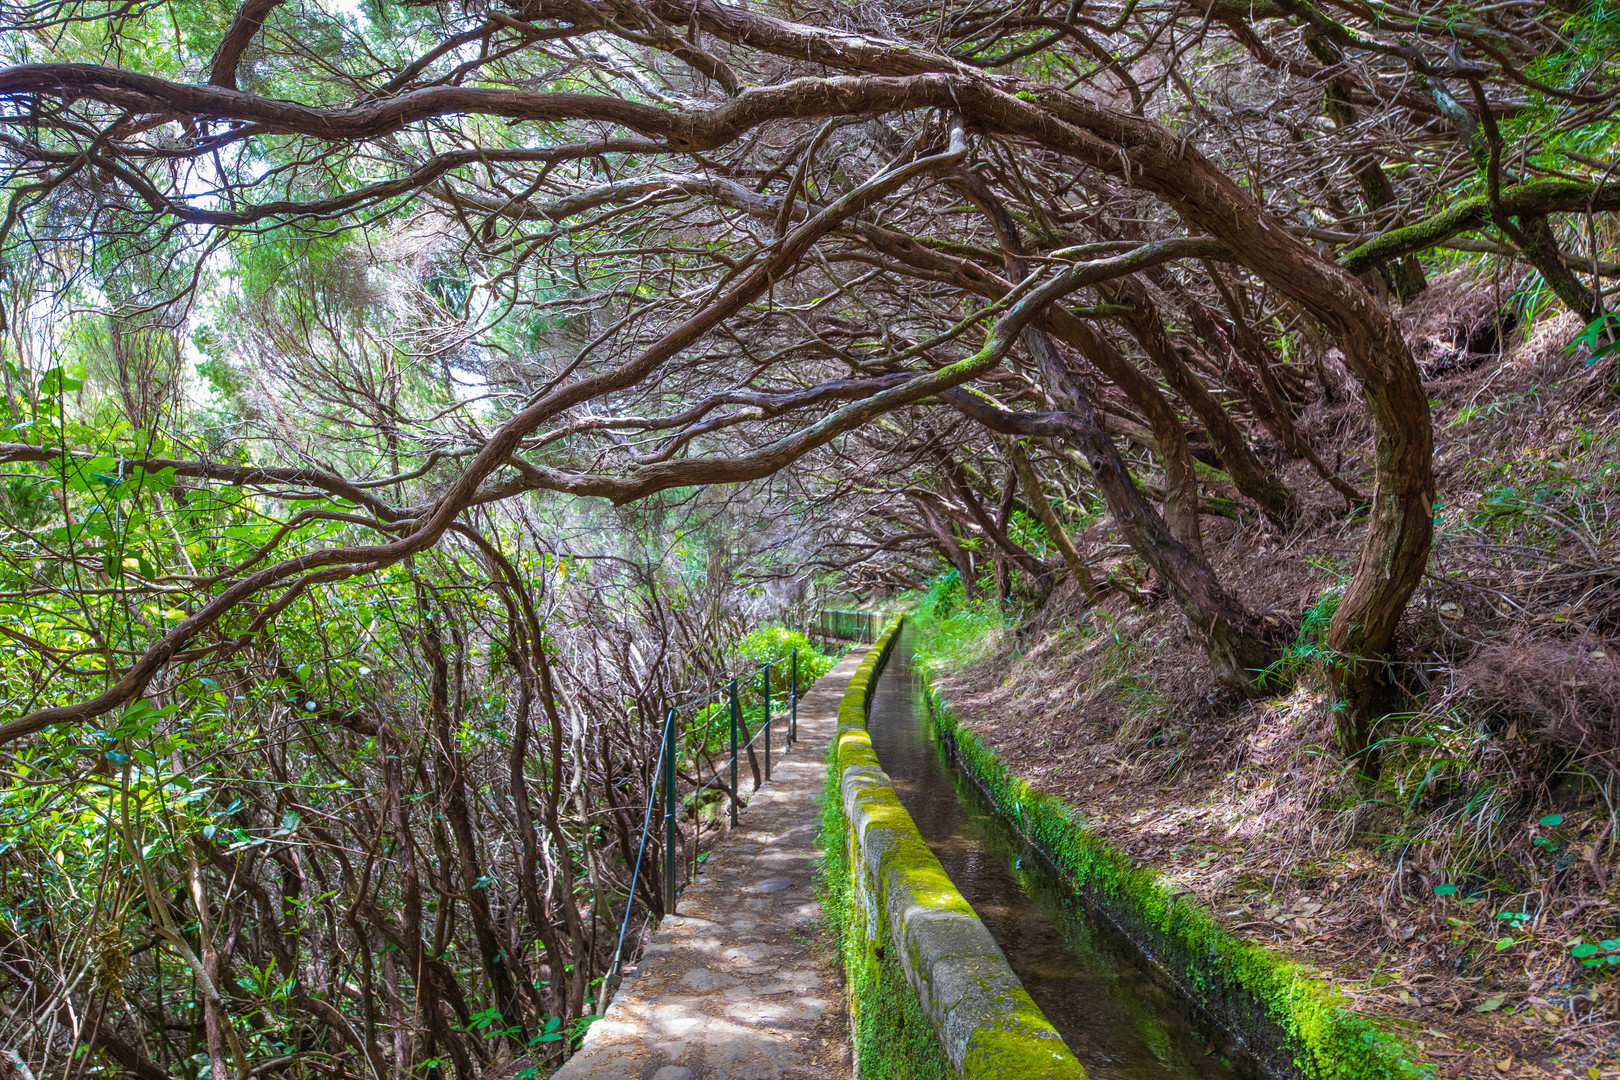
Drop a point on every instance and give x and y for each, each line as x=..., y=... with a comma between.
x=433, y=331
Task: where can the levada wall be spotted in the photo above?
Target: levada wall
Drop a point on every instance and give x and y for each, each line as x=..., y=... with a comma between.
x=931, y=993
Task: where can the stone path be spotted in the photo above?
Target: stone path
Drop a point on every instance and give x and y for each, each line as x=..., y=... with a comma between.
x=741, y=983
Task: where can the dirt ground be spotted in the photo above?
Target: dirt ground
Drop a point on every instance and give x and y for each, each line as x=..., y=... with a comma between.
x=1224, y=827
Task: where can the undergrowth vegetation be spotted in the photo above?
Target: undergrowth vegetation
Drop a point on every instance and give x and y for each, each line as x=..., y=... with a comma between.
x=958, y=633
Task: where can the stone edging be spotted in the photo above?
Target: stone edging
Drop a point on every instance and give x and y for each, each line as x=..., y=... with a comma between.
x=987, y=1024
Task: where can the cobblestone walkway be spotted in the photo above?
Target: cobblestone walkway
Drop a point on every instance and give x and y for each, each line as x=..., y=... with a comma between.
x=741, y=984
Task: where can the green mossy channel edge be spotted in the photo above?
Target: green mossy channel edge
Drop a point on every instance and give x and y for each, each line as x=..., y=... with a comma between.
x=930, y=992
x=1247, y=986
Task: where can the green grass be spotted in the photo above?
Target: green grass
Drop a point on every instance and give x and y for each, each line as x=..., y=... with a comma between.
x=958, y=634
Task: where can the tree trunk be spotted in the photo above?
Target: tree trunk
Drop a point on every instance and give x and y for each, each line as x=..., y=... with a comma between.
x=1035, y=498
x=1250, y=477
x=1175, y=456
x=1240, y=646
x=450, y=775
x=1396, y=548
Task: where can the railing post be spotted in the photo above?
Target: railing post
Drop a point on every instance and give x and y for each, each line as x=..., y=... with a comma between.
x=767, y=674
x=793, y=720
x=734, y=793
x=669, y=811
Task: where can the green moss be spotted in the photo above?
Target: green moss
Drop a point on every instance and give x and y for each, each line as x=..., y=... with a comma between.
x=1539, y=197
x=893, y=1032
x=1326, y=1038
x=892, y=1036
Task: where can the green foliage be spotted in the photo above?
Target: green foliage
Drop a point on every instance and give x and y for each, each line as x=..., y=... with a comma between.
x=943, y=596
x=1553, y=843
x=1605, y=953
x=1309, y=651
x=1592, y=34
x=1601, y=337
x=709, y=730
x=268, y=730
x=776, y=644
x=952, y=633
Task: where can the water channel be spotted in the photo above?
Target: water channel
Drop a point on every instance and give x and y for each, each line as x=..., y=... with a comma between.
x=1120, y=1014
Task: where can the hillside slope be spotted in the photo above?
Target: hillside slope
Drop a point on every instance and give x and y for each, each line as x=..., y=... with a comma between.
x=1466, y=891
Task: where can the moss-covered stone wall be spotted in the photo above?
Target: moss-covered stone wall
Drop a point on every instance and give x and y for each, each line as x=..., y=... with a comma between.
x=1291, y=1017
x=930, y=990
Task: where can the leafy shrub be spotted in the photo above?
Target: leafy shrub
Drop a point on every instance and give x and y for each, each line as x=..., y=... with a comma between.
x=777, y=643
x=1309, y=651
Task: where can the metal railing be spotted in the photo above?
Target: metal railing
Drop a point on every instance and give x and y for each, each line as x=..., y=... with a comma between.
x=829, y=624
x=666, y=772
x=843, y=625
x=738, y=725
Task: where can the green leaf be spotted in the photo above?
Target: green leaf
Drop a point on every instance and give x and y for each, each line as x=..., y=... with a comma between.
x=55, y=382
x=1583, y=950
x=1491, y=1004
x=1552, y=819
x=1445, y=890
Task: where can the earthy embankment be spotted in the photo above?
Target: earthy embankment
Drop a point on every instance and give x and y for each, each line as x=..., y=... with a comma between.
x=1453, y=894
x=1229, y=831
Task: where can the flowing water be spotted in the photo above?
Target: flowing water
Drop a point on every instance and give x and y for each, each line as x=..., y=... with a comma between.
x=1120, y=1014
